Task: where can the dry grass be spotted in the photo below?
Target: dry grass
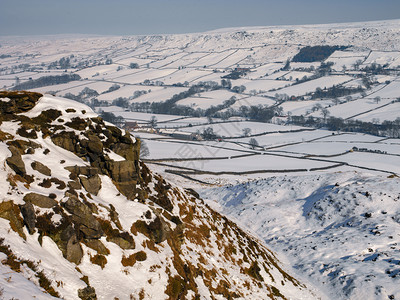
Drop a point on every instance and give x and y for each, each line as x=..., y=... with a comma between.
x=99, y=259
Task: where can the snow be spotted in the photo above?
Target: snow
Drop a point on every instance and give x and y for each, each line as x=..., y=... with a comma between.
x=310, y=86
x=14, y=285
x=391, y=58
x=315, y=220
x=235, y=129
x=320, y=228
x=208, y=99
x=302, y=107
x=261, y=71
x=159, y=95
x=61, y=104
x=127, y=91
x=262, y=85
x=253, y=164
x=391, y=91
x=252, y=101
x=138, y=116
x=390, y=112
x=175, y=149
x=183, y=75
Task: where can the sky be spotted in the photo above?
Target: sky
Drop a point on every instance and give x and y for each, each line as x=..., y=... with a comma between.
x=133, y=17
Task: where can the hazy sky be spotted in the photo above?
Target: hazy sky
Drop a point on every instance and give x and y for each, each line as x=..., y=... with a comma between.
x=130, y=17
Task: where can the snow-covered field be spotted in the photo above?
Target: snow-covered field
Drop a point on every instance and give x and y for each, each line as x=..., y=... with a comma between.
x=329, y=209
x=159, y=63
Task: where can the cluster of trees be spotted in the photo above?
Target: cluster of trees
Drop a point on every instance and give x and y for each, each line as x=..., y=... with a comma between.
x=112, y=88
x=45, y=81
x=335, y=91
x=234, y=75
x=134, y=65
x=84, y=96
x=376, y=69
x=137, y=94
x=259, y=113
x=208, y=134
x=316, y=53
x=387, y=128
x=63, y=63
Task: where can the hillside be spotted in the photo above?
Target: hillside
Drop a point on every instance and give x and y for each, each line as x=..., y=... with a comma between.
x=83, y=218
x=341, y=229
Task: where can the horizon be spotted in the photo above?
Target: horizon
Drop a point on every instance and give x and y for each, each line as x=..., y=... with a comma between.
x=157, y=17
x=216, y=30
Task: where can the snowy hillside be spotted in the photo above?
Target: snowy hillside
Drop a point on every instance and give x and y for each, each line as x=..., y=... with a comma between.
x=341, y=229
x=359, y=61
x=83, y=218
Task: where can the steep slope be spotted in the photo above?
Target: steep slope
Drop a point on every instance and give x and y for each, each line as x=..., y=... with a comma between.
x=341, y=229
x=83, y=218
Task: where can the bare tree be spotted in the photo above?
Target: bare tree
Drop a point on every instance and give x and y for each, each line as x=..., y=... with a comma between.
x=144, y=150
x=325, y=113
x=246, y=131
x=317, y=107
x=377, y=99
x=253, y=143
x=153, y=121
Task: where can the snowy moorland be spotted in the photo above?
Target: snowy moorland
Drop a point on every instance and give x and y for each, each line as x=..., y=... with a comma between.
x=291, y=132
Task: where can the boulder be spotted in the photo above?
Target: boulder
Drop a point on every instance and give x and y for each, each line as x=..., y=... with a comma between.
x=95, y=145
x=41, y=168
x=15, y=162
x=74, y=250
x=24, y=147
x=122, y=242
x=91, y=184
x=40, y=200
x=97, y=245
x=28, y=212
x=88, y=293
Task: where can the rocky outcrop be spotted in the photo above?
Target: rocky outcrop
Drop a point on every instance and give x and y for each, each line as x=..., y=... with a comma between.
x=83, y=218
x=66, y=140
x=91, y=184
x=20, y=101
x=124, y=175
x=24, y=147
x=83, y=170
x=15, y=162
x=40, y=200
